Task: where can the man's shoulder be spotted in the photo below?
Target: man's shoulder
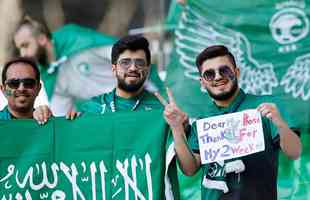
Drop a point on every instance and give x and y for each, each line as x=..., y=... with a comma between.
x=259, y=97
x=150, y=99
x=104, y=98
x=5, y=114
x=96, y=104
x=252, y=100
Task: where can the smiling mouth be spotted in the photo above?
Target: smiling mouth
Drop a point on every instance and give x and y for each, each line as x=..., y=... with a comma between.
x=132, y=76
x=218, y=84
x=22, y=95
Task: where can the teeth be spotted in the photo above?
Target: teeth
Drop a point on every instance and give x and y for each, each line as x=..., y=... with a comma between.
x=22, y=95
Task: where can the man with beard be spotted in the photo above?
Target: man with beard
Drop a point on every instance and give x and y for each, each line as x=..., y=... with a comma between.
x=69, y=59
x=131, y=59
x=20, y=85
x=131, y=65
x=245, y=178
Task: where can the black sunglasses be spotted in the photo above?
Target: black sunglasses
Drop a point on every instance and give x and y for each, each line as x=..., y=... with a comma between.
x=125, y=63
x=28, y=83
x=224, y=71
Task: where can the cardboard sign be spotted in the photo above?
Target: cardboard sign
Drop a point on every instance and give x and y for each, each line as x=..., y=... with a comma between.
x=230, y=136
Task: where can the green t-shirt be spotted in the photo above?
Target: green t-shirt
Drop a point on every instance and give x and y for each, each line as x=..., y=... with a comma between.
x=5, y=114
x=110, y=102
x=258, y=180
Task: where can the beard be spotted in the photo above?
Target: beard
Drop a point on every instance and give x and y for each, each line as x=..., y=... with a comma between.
x=132, y=87
x=41, y=56
x=21, y=106
x=225, y=95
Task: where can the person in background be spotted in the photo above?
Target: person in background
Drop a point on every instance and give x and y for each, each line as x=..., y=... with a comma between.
x=71, y=59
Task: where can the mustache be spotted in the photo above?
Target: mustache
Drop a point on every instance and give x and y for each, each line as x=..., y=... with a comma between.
x=132, y=74
x=17, y=93
x=224, y=80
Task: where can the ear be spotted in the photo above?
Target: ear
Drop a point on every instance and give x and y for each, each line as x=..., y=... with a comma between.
x=202, y=82
x=39, y=88
x=237, y=71
x=2, y=89
x=114, y=69
x=42, y=39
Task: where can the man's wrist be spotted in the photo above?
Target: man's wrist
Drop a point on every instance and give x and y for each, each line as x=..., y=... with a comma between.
x=177, y=128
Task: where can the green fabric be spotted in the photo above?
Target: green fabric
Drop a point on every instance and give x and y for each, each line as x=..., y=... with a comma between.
x=69, y=40
x=90, y=157
x=267, y=158
x=49, y=81
x=5, y=114
x=268, y=65
x=147, y=102
x=154, y=79
x=294, y=177
x=174, y=14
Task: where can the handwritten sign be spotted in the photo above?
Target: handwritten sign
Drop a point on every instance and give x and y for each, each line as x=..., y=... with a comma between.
x=230, y=136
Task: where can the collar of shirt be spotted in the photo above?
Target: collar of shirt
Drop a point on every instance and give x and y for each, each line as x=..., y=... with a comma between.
x=233, y=107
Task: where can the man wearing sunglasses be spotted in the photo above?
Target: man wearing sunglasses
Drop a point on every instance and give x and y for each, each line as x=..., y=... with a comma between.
x=249, y=177
x=131, y=59
x=20, y=85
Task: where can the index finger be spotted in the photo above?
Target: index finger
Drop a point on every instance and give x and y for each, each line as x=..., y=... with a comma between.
x=170, y=96
x=161, y=99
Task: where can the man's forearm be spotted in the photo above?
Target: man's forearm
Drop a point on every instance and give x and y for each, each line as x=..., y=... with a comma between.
x=289, y=142
x=188, y=162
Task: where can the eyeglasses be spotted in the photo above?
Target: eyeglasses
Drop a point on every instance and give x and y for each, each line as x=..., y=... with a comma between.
x=125, y=63
x=224, y=71
x=28, y=83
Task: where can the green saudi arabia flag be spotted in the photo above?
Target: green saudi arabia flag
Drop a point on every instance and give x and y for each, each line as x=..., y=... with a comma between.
x=270, y=41
x=93, y=157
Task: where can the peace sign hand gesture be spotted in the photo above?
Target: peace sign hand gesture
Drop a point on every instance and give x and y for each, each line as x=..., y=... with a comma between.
x=174, y=116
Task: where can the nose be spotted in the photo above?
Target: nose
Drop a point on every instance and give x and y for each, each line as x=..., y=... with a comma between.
x=21, y=86
x=218, y=76
x=23, y=52
x=132, y=65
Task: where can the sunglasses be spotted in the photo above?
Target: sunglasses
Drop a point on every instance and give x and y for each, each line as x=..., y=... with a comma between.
x=125, y=63
x=28, y=83
x=224, y=71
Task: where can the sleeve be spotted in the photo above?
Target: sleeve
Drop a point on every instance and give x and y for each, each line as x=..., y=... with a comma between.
x=272, y=131
x=73, y=38
x=193, y=140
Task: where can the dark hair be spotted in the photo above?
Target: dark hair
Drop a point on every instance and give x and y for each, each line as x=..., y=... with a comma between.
x=24, y=60
x=133, y=43
x=37, y=27
x=212, y=52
